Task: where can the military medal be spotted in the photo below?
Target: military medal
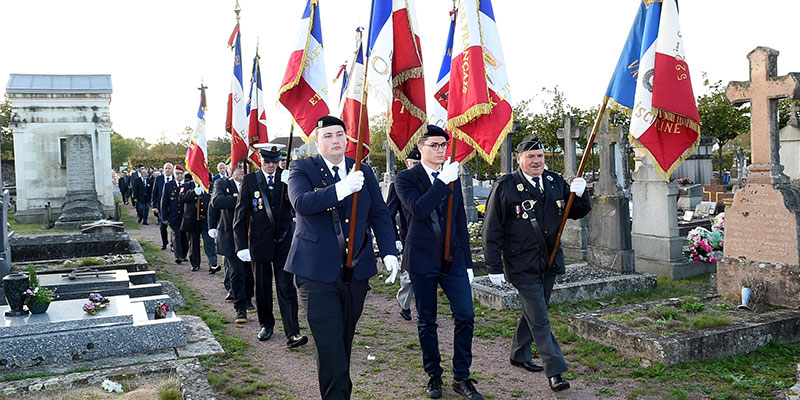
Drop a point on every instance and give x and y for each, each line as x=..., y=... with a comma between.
x=520, y=188
x=525, y=214
x=256, y=194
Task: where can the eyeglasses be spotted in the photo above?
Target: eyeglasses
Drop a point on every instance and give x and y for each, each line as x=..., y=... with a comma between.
x=437, y=146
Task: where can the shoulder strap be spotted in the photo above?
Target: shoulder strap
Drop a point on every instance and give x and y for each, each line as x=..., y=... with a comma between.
x=527, y=206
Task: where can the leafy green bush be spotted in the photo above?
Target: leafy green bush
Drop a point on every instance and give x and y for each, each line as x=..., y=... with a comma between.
x=692, y=306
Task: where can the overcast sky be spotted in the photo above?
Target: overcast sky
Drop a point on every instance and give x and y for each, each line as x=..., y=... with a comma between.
x=158, y=51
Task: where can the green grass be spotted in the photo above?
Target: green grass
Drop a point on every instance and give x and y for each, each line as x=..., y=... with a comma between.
x=703, y=321
x=127, y=215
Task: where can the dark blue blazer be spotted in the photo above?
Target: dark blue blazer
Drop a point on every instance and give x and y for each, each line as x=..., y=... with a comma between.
x=171, y=207
x=158, y=191
x=395, y=209
x=223, y=200
x=419, y=198
x=315, y=250
x=142, y=191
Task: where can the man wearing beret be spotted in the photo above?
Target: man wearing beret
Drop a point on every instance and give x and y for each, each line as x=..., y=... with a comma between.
x=262, y=230
x=423, y=192
x=196, y=202
x=321, y=189
x=404, y=295
x=523, y=214
x=172, y=213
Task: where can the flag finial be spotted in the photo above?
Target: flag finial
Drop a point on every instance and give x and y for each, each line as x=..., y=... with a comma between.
x=237, y=10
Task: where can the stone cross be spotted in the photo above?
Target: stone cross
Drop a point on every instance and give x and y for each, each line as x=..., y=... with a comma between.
x=741, y=164
x=606, y=140
x=763, y=91
x=569, y=133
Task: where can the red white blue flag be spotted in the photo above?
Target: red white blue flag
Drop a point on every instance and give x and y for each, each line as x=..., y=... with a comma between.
x=196, y=156
x=652, y=81
x=304, y=90
x=352, y=113
x=257, y=126
x=236, y=119
x=395, y=70
x=438, y=111
x=479, y=101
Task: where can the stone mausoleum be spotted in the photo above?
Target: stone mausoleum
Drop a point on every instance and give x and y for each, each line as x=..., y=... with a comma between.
x=56, y=118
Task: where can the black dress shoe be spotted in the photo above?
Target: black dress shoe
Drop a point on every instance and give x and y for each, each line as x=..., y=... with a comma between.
x=197, y=268
x=529, y=365
x=241, y=317
x=145, y=223
x=214, y=269
x=163, y=247
x=406, y=314
x=178, y=261
x=251, y=309
x=265, y=333
x=434, y=388
x=296, y=340
x=466, y=389
x=557, y=383
x=229, y=297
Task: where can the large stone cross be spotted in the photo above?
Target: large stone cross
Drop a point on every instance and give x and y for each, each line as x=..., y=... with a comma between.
x=569, y=133
x=763, y=91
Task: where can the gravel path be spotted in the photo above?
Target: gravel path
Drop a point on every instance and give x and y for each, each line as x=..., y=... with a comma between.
x=396, y=372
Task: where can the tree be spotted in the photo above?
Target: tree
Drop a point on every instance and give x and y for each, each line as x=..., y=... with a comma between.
x=220, y=147
x=121, y=149
x=5, y=130
x=719, y=118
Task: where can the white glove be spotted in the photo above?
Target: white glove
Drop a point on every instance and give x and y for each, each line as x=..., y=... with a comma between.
x=399, y=245
x=213, y=233
x=198, y=190
x=449, y=172
x=392, y=266
x=285, y=176
x=351, y=184
x=577, y=186
x=244, y=255
x=470, y=275
x=497, y=279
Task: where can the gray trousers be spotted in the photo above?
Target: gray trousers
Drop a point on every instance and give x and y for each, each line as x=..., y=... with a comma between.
x=404, y=295
x=534, y=325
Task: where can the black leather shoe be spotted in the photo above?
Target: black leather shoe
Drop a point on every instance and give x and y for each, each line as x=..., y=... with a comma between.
x=197, y=268
x=214, y=269
x=296, y=340
x=265, y=334
x=406, y=314
x=229, y=297
x=178, y=261
x=241, y=317
x=434, y=388
x=529, y=365
x=251, y=309
x=557, y=383
x=163, y=247
x=466, y=389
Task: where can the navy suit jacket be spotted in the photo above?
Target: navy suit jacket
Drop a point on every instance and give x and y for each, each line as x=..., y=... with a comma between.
x=223, y=200
x=396, y=209
x=158, y=191
x=171, y=208
x=419, y=198
x=315, y=250
x=251, y=226
x=141, y=190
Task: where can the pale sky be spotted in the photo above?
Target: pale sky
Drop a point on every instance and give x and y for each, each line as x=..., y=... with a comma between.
x=158, y=51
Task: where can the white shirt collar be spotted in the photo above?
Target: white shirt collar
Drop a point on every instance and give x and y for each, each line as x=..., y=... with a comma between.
x=430, y=171
x=266, y=175
x=538, y=180
x=342, y=167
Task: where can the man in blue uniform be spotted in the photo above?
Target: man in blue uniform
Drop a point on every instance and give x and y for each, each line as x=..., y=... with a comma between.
x=321, y=189
x=405, y=293
x=195, y=202
x=158, y=193
x=172, y=211
x=142, y=193
x=423, y=192
x=523, y=215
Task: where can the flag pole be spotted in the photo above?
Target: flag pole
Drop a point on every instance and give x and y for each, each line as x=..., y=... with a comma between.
x=357, y=166
x=288, y=160
x=584, y=159
x=202, y=90
x=448, y=231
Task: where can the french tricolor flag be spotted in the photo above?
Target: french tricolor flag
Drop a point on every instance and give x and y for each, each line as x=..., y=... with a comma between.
x=479, y=101
x=352, y=113
x=652, y=81
x=236, y=119
x=304, y=90
x=257, y=126
x=438, y=111
x=197, y=154
x=395, y=69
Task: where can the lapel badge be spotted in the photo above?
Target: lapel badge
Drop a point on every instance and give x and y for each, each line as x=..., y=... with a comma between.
x=525, y=215
x=550, y=178
x=560, y=204
x=256, y=194
x=520, y=188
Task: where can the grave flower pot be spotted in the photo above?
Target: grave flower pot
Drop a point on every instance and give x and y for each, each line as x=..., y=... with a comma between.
x=14, y=286
x=38, y=308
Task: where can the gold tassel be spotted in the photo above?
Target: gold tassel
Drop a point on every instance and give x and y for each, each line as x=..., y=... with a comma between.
x=294, y=83
x=666, y=174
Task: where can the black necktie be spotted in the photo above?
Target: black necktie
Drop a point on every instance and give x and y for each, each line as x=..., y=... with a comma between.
x=536, y=184
x=336, y=174
x=270, y=181
x=439, y=207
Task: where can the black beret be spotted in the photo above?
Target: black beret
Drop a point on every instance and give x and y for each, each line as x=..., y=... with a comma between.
x=434, y=130
x=529, y=143
x=414, y=154
x=329, y=120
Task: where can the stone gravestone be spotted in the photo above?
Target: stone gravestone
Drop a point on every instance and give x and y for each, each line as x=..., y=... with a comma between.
x=609, y=223
x=81, y=204
x=468, y=193
x=656, y=238
x=790, y=146
x=717, y=192
x=575, y=237
x=741, y=166
x=762, y=227
x=622, y=162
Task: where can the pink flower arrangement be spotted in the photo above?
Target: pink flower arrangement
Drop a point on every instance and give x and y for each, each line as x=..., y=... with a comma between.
x=702, y=243
x=96, y=303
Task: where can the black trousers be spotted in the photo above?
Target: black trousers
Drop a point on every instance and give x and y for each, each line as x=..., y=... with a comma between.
x=179, y=242
x=333, y=312
x=163, y=228
x=286, y=291
x=241, y=282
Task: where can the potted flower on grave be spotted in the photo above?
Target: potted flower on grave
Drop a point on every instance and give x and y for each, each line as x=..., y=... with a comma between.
x=704, y=245
x=161, y=310
x=37, y=298
x=96, y=303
